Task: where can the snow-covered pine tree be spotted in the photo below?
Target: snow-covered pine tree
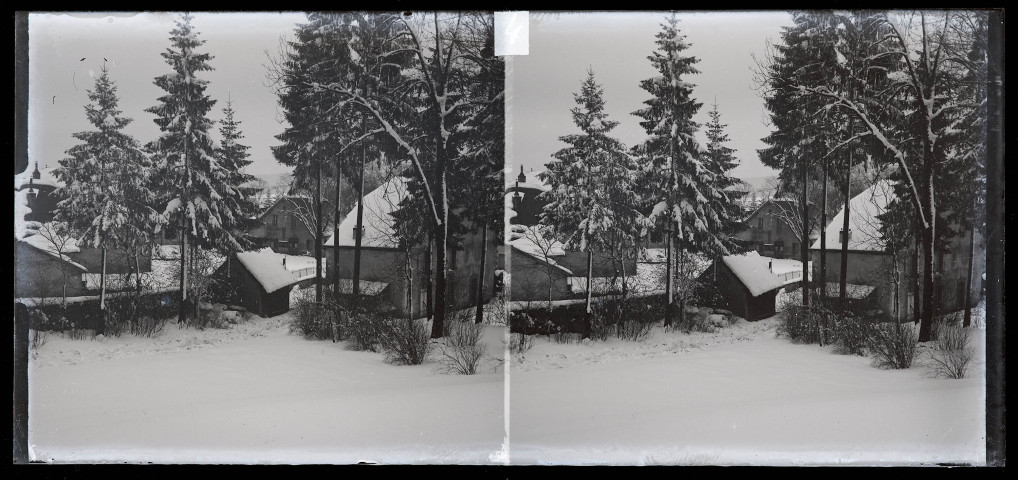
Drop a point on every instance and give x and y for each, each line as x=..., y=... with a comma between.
x=720, y=159
x=585, y=180
x=683, y=190
x=192, y=182
x=106, y=196
x=233, y=157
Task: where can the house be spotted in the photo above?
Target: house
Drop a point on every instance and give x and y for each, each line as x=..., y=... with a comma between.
x=261, y=280
x=750, y=283
x=384, y=262
x=543, y=267
x=870, y=267
x=284, y=226
x=768, y=229
x=51, y=264
x=524, y=199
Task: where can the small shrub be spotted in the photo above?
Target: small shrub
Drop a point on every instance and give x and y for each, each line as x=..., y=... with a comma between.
x=404, y=341
x=567, y=337
x=635, y=330
x=211, y=318
x=520, y=342
x=312, y=320
x=116, y=322
x=37, y=339
x=149, y=327
x=463, y=349
x=852, y=335
x=497, y=312
x=951, y=355
x=801, y=324
x=894, y=345
x=81, y=334
x=697, y=320
x=365, y=332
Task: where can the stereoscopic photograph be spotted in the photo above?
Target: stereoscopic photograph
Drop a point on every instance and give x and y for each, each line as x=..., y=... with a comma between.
x=768, y=238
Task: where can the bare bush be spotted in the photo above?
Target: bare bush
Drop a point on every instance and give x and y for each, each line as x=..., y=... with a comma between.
x=404, y=341
x=634, y=330
x=364, y=332
x=312, y=320
x=951, y=355
x=520, y=342
x=37, y=339
x=852, y=335
x=894, y=345
x=149, y=327
x=569, y=337
x=801, y=324
x=211, y=318
x=463, y=349
x=497, y=312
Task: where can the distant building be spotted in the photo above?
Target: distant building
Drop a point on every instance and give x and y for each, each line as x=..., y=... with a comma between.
x=769, y=231
x=384, y=262
x=870, y=266
x=39, y=187
x=281, y=228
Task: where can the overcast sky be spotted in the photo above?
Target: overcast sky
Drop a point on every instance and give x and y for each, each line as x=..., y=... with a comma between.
x=131, y=45
x=616, y=45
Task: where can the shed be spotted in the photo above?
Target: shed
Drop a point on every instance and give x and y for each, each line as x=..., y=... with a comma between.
x=261, y=280
x=750, y=283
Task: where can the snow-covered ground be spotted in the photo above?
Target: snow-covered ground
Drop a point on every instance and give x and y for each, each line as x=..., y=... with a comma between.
x=737, y=396
x=254, y=393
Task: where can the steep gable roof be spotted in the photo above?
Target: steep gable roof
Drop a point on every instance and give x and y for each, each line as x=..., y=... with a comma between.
x=863, y=224
x=378, y=207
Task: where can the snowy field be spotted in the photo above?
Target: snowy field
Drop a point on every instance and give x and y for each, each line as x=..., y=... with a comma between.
x=737, y=396
x=255, y=394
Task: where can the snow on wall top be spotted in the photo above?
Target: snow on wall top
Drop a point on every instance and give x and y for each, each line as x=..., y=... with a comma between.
x=269, y=270
x=863, y=224
x=754, y=271
x=40, y=242
x=378, y=207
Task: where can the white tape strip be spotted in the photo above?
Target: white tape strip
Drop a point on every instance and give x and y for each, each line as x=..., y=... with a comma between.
x=512, y=33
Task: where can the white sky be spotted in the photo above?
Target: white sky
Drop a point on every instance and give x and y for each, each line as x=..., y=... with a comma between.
x=616, y=45
x=131, y=44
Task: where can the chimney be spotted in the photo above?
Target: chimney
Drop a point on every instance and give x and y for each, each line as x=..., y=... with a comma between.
x=36, y=174
x=521, y=177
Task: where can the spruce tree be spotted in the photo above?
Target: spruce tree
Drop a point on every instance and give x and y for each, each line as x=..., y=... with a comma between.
x=587, y=176
x=106, y=195
x=684, y=190
x=192, y=181
x=233, y=157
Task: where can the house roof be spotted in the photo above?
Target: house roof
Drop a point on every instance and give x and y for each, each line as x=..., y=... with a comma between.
x=522, y=239
x=269, y=270
x=40, y=243
x=762, y=274
x=378, y=207
x=863, y=224
x=793, y=204
x=532, y=181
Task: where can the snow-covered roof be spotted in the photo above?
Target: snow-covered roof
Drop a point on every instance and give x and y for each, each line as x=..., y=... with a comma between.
x=22, y=227
x=46, y=178
x=533, y=180
x=378, y=207
x=270, y=271
x=524, y=239
x=754, y=271
x=863, y=224
x=41, y=242
x=852, y=290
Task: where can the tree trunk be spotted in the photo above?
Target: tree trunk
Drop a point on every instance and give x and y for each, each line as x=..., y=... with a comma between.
x=968, y=276
x=102, y=281
x=805, y=235
x=360, y=218
x=318, y=235
x=182, y=310
x=916, y=289
x=429, y=272
x=335, y=236
x=929, y=250
x=590, y=289
x=845, y=233
x=823, y=240
x=669, y=284
x=479, y=315
x=441, y=240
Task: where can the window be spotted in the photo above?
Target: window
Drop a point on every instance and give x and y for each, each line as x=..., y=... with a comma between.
x=768, y=236
x=841, y=235
x=293, y=221
x=356, y=233
x=275, y=220
x=282, y=233
x=759, y=223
